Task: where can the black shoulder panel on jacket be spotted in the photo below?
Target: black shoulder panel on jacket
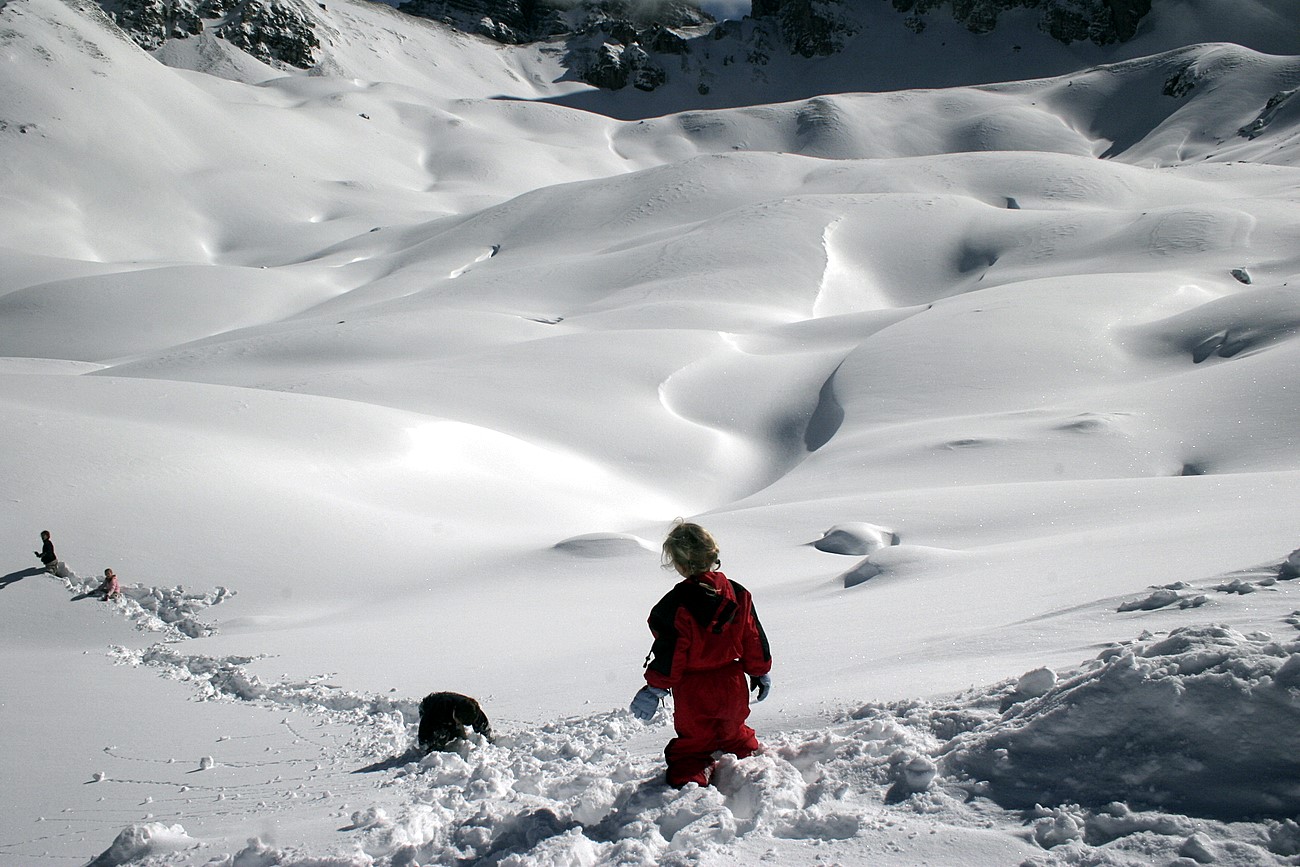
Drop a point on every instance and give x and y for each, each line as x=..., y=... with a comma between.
x=741, y=592
x=703, y=607
x=663, y=624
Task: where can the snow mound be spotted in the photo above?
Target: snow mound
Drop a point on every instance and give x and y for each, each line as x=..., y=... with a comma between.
x=857, y=538
x=897, y=560
x=604, y=545
x=1225, y=327
x=142, y=841
x=1205, y=721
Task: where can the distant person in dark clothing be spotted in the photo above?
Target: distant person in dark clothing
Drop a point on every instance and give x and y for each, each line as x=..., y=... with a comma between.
x=47, y=555
x=443, y=718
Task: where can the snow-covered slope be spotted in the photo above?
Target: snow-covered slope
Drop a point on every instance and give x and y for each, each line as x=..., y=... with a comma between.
x=390, y=378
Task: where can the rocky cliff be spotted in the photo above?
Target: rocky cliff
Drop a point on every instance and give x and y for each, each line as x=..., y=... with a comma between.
x=278, y=32
x=1099, y=21
x=618, y=43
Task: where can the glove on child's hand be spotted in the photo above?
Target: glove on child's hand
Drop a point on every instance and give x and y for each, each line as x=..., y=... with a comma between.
x=646, y=702
x=762, y=683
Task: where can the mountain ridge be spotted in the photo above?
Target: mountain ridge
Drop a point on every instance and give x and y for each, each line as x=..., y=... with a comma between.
x=614, y=45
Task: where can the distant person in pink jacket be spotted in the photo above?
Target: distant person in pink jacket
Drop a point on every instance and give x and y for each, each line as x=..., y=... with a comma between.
x=109, y=588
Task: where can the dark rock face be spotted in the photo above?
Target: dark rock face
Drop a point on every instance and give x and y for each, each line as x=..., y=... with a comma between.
x=273, y=31
x=1181, y=82
x=812, y=28
x=510, y=21
x=608, y=70
x=610, y=43
x=615, y=43
x=1100, y=21
x=520, y=21
x=663, y=40
x=665, y=13
x=152, y=22
x=613, y=67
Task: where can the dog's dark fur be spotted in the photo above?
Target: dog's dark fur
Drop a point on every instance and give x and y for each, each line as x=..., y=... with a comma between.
x=443, y=717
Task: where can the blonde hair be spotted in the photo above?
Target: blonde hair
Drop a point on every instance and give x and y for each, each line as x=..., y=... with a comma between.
x=691, y=547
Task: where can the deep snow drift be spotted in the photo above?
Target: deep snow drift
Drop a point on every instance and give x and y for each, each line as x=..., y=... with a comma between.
x=1194, y=730
x=390, y=379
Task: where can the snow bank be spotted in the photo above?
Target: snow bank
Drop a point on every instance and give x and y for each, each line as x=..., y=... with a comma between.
x=160, y=609
x=1144, y=749
x=141, y=841
x=1205, y=721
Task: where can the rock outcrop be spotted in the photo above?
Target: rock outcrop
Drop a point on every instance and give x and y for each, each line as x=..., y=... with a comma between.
x=278, y=32
x=614, y=44
x=811, y=28
x=520, y=21
x=610, y=43
x=1100, y=21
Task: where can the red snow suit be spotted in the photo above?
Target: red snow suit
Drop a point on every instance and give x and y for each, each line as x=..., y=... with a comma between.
x=707, y=638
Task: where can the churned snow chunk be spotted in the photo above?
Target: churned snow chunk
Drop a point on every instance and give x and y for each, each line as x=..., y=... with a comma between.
x=1289, y=674
x=1236, y=585
x=1159, y=599
x=918, y=774
x=1284, y=837
x=1036, y=683
x=1198, y=848
x=1057, y=828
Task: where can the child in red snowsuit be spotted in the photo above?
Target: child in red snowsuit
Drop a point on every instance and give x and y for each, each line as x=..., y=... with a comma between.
x=707, y=639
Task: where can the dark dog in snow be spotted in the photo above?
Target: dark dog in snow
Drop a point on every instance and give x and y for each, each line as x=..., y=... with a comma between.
x=443, y=718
